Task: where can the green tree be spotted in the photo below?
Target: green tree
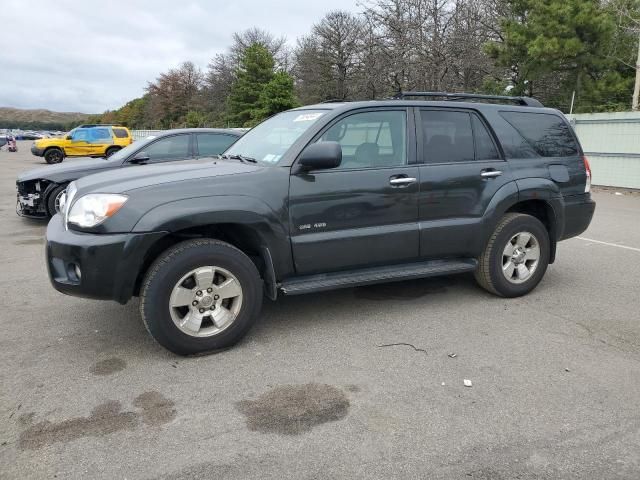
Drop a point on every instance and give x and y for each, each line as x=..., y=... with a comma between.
x=255, y=71
x=195, y=119
x=276, y=96
x=553, y=47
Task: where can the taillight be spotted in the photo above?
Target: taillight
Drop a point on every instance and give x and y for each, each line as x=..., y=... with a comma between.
x=587, y=167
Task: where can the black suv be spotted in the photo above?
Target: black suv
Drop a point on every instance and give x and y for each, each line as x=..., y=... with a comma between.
x=327, y=196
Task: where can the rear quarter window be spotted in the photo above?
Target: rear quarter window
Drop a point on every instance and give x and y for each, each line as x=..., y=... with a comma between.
x=547, y=134
x=213, y=143
x=120, y=133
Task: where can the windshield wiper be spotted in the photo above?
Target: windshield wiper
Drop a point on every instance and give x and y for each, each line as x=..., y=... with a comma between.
x=242, y=158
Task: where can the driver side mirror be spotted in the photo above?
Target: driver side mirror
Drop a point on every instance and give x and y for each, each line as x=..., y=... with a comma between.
x=69, y=137
x=140, y=158
x=320, y=156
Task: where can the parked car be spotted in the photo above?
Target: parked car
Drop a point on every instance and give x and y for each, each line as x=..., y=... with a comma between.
x=39, y=190
x=83, y=141
x=323, y=197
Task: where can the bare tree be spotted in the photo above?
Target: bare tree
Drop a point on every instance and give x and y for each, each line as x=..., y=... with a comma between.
x=628, y=23
x=330, y=55
x=174, y=93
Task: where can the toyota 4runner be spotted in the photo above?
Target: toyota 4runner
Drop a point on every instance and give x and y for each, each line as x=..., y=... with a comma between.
x=322, y=197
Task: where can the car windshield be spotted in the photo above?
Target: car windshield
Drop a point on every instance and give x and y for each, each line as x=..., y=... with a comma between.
x=120, y=155
x=267, y=142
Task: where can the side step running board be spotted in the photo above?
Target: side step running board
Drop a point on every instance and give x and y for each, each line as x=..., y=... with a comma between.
x=368, y=276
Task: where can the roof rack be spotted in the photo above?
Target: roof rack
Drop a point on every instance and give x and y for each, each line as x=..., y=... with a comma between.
x=90, y=125
x=334, y=100
x=457, y=97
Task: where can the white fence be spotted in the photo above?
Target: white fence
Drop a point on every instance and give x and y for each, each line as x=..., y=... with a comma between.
x=140, y=134
x=611, y=142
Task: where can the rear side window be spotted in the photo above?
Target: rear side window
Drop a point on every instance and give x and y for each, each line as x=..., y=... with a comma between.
x=175, y=147
x=547, y=134
x=120, y=133
x=447, y=136
x=213, y=144
x=485, y=148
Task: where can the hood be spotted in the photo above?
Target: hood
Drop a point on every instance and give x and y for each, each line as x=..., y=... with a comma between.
x=47, y=142
x=131, y=178
x=65, y=171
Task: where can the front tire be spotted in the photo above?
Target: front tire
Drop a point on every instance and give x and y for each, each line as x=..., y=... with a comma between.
x=53, y=156
x=200, y=296
x=516, y=256
x=53, y=200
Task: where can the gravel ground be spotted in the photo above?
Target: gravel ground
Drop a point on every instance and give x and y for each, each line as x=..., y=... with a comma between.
x=310, y=393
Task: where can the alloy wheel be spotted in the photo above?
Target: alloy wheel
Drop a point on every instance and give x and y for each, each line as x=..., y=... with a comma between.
x=520, y=257
x=205, y=301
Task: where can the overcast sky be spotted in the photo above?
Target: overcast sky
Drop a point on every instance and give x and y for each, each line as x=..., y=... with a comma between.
x=86, y=56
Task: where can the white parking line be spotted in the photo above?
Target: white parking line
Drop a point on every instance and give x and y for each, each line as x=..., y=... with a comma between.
x=609, y=244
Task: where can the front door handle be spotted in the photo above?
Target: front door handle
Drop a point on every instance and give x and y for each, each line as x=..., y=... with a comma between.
x=401, y=181
x=490, y=173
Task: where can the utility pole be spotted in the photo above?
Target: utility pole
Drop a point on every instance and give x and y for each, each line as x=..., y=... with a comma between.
x=636, y=88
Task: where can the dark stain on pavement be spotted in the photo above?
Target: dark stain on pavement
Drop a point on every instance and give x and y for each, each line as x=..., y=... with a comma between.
x=294, y=409
x=106, y=418
x=405, y=290
x=156, y=409
x=108, y=366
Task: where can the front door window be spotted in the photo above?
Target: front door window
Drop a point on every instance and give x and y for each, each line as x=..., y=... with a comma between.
x=371, y=139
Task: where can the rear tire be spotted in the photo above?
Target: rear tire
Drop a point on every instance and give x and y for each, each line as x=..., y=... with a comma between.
x=195, y=271
x=110, y=151
x=53, y=200
x=516, y=256
x=53, y=156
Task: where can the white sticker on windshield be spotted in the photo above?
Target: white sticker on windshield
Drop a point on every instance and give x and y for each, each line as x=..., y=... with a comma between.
x=271, y=158
x=307, y=117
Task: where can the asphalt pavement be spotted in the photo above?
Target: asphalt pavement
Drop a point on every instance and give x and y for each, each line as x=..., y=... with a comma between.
x=314, y=393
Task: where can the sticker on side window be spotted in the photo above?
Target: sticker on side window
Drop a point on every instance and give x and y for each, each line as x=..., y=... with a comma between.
x=307, y=117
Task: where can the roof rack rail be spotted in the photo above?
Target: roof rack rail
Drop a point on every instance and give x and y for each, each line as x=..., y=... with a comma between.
x=89, y=125
x=525, y=101
x=334, y=100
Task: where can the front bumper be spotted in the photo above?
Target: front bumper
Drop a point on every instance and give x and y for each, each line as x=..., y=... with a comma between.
x=30, y=200
x=30, y=205
x=38, y=152
x=109, y=265
x=578, y=212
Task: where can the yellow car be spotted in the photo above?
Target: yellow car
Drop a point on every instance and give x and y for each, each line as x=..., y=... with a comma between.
x=83, y=141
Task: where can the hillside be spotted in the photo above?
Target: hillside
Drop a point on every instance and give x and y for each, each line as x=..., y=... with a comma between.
x=38, y=118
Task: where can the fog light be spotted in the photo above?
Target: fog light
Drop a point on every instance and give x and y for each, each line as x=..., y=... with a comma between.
x=73, y=271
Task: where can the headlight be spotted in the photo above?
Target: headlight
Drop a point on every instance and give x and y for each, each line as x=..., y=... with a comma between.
x=94, y=208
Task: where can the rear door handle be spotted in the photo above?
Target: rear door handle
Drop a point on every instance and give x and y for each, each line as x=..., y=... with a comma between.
x=401, y=181
x=490, y=173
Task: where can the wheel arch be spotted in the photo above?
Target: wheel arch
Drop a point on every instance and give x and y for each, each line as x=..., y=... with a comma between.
x=538, y=197
x=543, y=211
x=243, y=237
x=247, y=224
x=53, y=147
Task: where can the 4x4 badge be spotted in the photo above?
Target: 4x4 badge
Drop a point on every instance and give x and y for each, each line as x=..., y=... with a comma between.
x=308, y=226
